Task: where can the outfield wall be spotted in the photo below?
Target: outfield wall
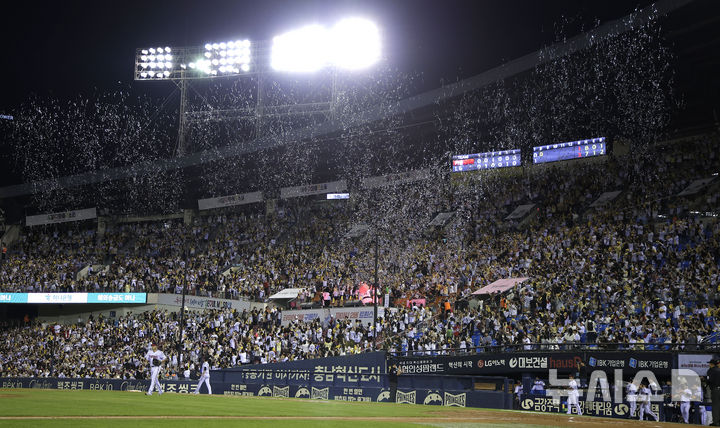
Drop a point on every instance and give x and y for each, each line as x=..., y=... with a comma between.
x=485, y=399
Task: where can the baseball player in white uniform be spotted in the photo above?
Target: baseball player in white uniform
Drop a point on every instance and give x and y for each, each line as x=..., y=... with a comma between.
x=700, y=398
x=204, y=377
x=685, y=395
x=155, y=357
x=632, y=390
x=573, y=397
x=644, y=399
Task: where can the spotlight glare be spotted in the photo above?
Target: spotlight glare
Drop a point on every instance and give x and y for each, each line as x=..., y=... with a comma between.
x=144, y=51
x=302, y=50
x=167, y=49
x=352, y=44
x=356, y=44
x=245, y=67
x=143, y=74
x=167, y=73
x=208, y=46
x=208, y=54
x=216, y=46
x=152, y=50
x=168, y=65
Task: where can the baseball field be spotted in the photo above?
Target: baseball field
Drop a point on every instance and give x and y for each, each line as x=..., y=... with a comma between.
x=76, y=409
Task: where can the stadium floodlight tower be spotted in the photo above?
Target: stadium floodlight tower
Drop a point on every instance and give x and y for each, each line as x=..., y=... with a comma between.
x=351, y=44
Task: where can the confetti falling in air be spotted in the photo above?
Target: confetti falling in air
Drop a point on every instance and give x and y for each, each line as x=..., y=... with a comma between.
x=620, y=87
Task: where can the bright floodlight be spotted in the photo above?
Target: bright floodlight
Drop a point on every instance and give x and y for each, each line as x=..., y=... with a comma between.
x=300, y=50
x=356, y=43
x=352, y=43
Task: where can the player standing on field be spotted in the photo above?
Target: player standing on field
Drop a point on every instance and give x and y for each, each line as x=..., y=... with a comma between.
x=155, y=358
x=644, y=396
x=573, y=397
x=204, y=377
x=632, y=390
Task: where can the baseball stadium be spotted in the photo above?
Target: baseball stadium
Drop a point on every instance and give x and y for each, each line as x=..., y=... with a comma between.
x=339, y=213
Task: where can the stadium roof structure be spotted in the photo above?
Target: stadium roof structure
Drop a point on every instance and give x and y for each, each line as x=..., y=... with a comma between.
x=507, y=70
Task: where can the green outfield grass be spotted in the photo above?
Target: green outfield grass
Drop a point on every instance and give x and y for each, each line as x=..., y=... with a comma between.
x=75, y=409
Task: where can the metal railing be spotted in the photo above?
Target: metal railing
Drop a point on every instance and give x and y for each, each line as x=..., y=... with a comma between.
x=563, y=347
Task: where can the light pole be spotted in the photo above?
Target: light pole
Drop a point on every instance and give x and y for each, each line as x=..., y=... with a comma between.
x=182, y=313
x=375, y=296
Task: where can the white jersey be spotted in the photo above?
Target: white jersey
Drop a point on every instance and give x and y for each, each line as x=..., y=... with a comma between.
x=632, y=389
x=644, y=396
x=685, y=395
x=155, y=355
x=205, y=371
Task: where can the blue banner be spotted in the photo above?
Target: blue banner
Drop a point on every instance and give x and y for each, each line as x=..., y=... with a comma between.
x=116, y=298
x=607, y=409
x=13, y=297
x=365, y=370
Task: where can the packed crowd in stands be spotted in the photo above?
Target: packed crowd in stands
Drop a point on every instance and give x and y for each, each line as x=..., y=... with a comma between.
x=640, y=272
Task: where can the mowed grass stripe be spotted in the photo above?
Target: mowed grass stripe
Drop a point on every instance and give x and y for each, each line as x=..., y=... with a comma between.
x=208, y=423
x=78, y=409
x=35, y=402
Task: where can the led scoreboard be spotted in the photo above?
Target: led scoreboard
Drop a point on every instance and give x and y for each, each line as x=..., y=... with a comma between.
x=489, y=160
x=570, y=150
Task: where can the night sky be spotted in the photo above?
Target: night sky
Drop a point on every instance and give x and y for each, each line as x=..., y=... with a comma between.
x=66, y=48
x=63, y=49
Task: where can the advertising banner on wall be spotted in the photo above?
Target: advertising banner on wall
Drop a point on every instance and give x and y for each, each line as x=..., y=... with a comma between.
x=197, y=302
x=350, y=370
x=590, y=408
x=363, y=314
x=699, y=363
x=313, y=189
x=229, y=200
x=437, y=397
x=67, y=298
x=64, y=217
x=498, y=363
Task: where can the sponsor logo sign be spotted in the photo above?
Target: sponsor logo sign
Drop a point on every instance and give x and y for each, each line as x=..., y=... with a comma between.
x=339, y=186
x=458, y=400
x=406, y=397
x=230, y=200
x=320, y=394
x=699, y=363
x=64, y=217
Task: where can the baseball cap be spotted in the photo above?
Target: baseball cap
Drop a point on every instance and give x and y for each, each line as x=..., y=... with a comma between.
x=714, y=360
